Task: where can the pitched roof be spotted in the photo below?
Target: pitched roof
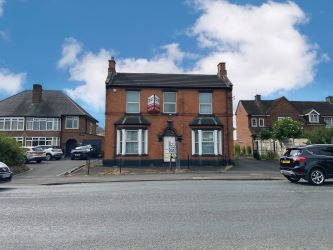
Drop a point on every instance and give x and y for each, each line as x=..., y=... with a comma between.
x=264, y=107
x=54, y=103
x=205, y=121
x=132, y=120
x=323, y=108
x=167, y=80
x=258, y=108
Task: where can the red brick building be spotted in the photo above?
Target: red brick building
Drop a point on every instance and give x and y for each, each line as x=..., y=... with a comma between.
x=47, y=117
x=152, y=119
x=254, y=115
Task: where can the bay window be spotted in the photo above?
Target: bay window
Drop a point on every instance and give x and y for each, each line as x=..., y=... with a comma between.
x=206, y=142
x=132, y=141
x=11, y=124
x=43, y=124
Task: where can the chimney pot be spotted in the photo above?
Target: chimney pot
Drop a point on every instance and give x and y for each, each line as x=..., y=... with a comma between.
x=37, y=93
x=257, y=98
x=221, y=71
x=112, y=65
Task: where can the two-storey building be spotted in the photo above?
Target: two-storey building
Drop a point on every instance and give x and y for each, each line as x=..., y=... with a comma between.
x=46, y=117
x=254, y=115
x=154, y=119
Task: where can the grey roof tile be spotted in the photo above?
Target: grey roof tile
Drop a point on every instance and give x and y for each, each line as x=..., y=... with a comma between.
x=54, y=104
x=167, y=80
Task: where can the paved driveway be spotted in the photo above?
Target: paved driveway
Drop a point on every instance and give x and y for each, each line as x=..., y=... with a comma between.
x=47, y=169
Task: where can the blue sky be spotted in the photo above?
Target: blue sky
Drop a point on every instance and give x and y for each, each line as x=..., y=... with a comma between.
x=271, y=48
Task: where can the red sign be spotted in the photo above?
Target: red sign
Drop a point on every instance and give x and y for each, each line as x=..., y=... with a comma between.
x=153, y=104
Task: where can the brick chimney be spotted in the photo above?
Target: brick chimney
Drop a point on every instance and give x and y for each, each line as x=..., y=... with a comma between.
x=221, y=71
x=329, y=99
x=257, y=98
x=112, y=65
x=37, y=93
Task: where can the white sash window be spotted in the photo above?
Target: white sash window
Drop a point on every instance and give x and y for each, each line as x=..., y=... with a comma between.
x=206, y=142
x=132, y=141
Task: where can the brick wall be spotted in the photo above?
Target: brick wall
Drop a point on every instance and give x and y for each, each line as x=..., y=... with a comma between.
x=243, y=126
x=187, y=110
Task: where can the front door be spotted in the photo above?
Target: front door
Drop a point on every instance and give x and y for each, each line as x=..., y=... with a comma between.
x=170, y=150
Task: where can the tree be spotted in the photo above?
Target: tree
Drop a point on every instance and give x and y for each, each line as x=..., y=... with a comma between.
x=265, y=134
x=285, y=129
x=10, y=151
x=319, y=135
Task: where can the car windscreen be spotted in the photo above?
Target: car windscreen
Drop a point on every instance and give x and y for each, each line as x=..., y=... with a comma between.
x=293, y=152
x=37, y=149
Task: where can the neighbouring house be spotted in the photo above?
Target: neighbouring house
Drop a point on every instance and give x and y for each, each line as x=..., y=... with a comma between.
x=254, y=115
x=47, y=117
x=161, y=119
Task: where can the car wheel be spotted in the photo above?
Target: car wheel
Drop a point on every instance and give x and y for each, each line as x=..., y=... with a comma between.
x=48, y=157
x=293, y=179
x=38, y=161
x=316, y=177
x=72, y=157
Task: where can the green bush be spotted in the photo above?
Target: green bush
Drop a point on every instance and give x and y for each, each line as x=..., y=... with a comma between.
x=269, y=155
x=10, y=151
x=243, y=151
x=248, y=150
x=237, y=149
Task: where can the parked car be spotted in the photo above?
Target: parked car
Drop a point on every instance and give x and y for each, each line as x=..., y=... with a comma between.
x=34, y=154
x=52, y=152
x=82, y=152
x=313, y=163
x=5, y=173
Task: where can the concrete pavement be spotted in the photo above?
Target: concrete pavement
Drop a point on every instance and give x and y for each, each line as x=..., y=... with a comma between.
x=244, y=169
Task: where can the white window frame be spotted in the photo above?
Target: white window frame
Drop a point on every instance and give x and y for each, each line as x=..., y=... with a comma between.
x=72, y=119
x=19, y=140
x=313, y=118
x=261, y=122
x=254, y=122
x=41, y=141
x=35, y=124
x=90, y=128
x=329, y=122
x=206, y=103
x=142, y=141
x=283, y=117
x=197, y=142
x=169, y=102
x=11, y=123
x=133, y=102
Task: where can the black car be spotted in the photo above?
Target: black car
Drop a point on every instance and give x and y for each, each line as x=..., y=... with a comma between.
x=82, y=152
x=313, y=163
x=5, y=173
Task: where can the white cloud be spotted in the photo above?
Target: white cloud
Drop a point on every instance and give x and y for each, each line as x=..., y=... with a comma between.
x=71, y=48
x=2, y=2
x=262, y=46
x=11, y=82
x=90, y=69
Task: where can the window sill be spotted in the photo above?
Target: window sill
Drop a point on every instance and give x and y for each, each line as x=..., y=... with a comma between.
x=170, y=114
x=132, y=155
x=207, y=155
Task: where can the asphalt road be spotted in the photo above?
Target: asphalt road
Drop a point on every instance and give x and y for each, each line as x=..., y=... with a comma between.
x=168, y=215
